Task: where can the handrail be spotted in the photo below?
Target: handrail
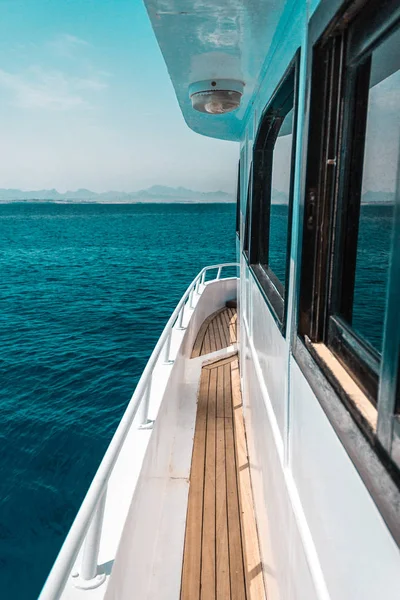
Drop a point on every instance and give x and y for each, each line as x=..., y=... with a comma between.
x=94, y=499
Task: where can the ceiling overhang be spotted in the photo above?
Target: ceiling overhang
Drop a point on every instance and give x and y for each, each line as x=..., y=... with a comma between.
x=211, y=40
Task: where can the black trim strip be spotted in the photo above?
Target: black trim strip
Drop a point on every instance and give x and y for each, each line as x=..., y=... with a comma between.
x=284, y=98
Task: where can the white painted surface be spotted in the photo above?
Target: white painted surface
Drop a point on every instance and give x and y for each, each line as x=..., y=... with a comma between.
x=272, y=353
x=350, y=535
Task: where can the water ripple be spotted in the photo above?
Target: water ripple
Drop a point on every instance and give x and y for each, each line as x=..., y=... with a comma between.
x=85, y=292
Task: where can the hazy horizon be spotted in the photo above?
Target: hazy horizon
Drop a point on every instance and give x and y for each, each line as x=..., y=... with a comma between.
x=155, y=193
x=86, y=102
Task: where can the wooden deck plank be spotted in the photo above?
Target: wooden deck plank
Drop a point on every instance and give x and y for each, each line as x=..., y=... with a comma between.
x=220, y=413
x=221, y=554
x=225, y=319
x=230, y=314
x=228, y=390
x=223, y=586
x=213, y=345
x=208, y=541
x=218, y=342
x=232, y=328
x=223, y=331
x=252, y=560
x=206, y=347
x=225, y=316
x=238, y=587
x=191, y=569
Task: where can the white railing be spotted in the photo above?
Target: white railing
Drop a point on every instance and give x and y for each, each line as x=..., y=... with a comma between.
x=87, y=527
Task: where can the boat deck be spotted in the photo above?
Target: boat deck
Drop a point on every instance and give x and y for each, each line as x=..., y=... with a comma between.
x=218, y=331
x=221, y=554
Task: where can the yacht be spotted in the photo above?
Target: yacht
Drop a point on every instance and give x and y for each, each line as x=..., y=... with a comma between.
x=259, y=455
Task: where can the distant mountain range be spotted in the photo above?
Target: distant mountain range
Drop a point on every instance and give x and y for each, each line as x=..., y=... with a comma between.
x=367, y=198
x=378, y=198
x=156, y=193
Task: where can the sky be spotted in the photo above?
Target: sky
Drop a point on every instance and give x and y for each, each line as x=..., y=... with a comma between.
x=86, y=102
x=382, y=150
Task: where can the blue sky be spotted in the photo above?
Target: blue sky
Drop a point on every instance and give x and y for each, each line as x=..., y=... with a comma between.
x=86, y=101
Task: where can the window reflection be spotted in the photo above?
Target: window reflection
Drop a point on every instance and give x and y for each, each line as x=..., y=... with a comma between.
x=377, y=196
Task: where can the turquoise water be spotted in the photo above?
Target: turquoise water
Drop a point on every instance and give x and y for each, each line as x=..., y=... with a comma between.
x=85, y=293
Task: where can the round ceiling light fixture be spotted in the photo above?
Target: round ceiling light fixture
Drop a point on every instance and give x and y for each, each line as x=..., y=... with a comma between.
x=216, y=96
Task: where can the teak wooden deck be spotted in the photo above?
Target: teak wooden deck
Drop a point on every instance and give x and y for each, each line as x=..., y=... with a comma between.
x=221, y=555
x=218, y=331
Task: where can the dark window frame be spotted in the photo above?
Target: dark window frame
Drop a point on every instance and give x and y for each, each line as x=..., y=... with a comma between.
x=285, y=94
x=339, y=103
x=375, y=451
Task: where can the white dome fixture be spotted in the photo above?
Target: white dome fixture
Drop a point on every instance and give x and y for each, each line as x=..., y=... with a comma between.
x=216, y=96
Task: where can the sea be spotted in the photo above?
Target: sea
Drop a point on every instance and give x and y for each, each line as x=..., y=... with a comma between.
x=85, y=291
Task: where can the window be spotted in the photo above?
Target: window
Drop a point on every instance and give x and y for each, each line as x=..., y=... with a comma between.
x=273, y=171
x=350, y=288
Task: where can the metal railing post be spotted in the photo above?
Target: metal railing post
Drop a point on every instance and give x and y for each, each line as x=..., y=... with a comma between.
x=167, y=348
x=219, y=272
x=89, y=577
x=180, y=319
x=203, y=278
x=144, y=406
x=191, y=297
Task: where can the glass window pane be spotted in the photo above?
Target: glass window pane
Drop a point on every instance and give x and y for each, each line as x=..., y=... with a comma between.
x=377, y=196
x=279, y=219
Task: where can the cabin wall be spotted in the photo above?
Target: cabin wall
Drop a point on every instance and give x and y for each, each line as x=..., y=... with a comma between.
x=321, y=535
x=348, y=531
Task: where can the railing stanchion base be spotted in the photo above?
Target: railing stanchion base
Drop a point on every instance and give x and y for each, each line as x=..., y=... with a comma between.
x=89, y=577
x=180, y=319
x=167, y=350
x=89, y=584
x=144, y=406
x=148, y=425
x=191, y=297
